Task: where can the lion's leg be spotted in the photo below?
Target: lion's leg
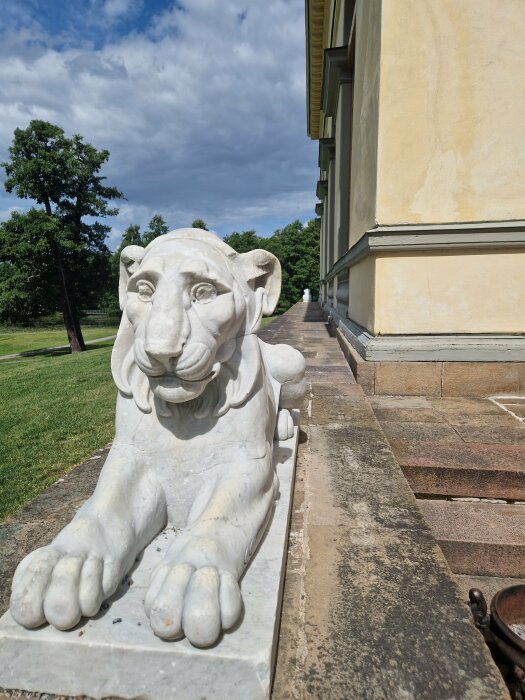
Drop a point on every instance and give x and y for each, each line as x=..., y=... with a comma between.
x=84, y=564
x=195, y=591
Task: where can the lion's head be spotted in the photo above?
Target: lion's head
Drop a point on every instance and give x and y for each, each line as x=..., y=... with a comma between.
x=190, y=306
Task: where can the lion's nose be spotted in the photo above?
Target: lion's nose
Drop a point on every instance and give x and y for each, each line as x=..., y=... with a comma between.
x=167, y=330
x=161, y=353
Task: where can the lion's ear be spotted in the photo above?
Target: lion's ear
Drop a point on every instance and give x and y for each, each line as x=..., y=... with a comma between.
x=263, y=270
x=130, y=258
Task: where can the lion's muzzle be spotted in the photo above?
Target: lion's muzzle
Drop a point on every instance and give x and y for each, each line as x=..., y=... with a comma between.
x=177, y=378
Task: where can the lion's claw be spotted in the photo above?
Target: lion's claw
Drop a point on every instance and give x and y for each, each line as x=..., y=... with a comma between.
x=198, y=603
x=60, y=588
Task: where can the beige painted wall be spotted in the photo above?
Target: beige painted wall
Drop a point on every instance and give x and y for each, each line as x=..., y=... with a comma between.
x=452, y=112
x=361, y=293
x=466, y=292
x=365, y=118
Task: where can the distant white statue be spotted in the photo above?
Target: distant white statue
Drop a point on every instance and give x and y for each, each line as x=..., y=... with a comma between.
x=307, y=296
x=200, y=397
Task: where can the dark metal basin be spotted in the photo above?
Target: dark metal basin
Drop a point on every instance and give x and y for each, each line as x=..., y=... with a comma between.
x=508, y=608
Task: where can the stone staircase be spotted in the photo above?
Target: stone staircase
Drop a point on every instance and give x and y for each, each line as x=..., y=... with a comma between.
x=464, y=459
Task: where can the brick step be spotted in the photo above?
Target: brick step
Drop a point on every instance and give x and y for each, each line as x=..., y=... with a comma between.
x=479, y=539
x=483, y=471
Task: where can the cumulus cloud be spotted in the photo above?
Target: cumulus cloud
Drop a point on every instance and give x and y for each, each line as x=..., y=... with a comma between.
x=201, y=104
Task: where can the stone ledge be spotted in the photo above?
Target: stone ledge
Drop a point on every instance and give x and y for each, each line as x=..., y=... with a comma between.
x=370, y=608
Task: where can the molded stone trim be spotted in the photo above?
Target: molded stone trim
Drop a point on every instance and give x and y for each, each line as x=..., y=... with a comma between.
x=322, y=189
x=489, y=235
x=429, y=348
x=326, y=153
x=336, y=71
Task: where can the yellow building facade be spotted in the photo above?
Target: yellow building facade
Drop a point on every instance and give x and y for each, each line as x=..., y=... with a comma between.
x=418, y=106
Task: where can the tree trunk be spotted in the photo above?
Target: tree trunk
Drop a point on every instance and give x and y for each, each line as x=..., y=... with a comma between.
x=67, y=304
x=69, y=313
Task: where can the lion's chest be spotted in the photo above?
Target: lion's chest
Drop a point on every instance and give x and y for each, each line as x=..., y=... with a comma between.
x=188, y=457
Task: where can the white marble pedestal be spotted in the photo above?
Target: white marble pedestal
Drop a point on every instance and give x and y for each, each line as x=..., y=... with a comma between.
x=116, y=654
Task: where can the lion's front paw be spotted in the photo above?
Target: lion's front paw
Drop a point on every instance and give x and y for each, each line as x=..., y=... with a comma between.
x=284, y=427
x=50, y=584
x=196, y=602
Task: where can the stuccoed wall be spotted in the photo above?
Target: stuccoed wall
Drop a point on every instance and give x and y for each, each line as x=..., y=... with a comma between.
x=452, y=106
x=469, y=292
x=365, y=118
x=361, y=297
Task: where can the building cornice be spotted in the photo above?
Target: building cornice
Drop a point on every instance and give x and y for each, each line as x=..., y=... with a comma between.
x=315, y=19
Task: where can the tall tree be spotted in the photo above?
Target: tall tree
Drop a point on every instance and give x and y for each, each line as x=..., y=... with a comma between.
x=62, y=174
x=199, y=223
x=244, y=242
x=156, y=227
x=297, y=248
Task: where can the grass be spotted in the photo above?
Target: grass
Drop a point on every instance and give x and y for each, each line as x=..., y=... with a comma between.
x=55, y=411
x=267, y=320
x=27, y=339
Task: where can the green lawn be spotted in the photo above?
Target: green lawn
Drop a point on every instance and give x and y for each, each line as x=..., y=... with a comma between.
x=55, y=411
x=24, y=340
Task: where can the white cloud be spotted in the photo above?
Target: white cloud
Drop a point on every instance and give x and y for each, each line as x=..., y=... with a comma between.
x=203, y=112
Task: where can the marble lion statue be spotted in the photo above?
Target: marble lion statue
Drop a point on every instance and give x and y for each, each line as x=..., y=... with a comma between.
x=200, y=398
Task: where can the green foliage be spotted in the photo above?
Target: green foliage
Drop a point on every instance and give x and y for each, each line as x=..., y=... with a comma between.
x=27, y=271
x=132, y=236
x=199, y=223
x=156, y=227
x=245, y=241
x=297, y=248
x=65, y=257
x=45, y=429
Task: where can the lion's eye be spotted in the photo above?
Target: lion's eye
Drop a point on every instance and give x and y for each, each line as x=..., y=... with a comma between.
x=145, y=290
x=203, y=292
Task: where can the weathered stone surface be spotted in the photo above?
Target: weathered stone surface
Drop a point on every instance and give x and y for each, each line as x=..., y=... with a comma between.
x=483, y=539
x=480, y=378
x=408, y=378
x=424, y=431
x=468, y=479
x=362, y=568
x=489, y=585
x=409, y=415
x=465, y=406
x=495, y=435
x=457, y=455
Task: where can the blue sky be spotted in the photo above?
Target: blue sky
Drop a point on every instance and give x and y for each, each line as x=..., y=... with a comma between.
x=201, y=103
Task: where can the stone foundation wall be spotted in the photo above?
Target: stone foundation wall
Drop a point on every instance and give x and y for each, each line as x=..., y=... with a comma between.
x=432, y=378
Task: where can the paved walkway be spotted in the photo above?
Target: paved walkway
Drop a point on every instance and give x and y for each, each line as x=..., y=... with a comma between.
x=44, y=351
x=370, y=607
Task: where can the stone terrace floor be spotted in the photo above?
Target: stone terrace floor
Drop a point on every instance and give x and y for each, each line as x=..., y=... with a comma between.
x=370, y=609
